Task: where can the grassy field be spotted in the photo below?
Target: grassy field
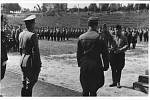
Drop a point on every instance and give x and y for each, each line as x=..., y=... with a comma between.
x=57, y=48
x=131, y=19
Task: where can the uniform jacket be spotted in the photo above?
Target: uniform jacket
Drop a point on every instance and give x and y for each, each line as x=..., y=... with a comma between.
x=29, y=49
x=134, y=37
x=107, y=37
x=18, y=31
x=90, y=47
x=119, y=43
x=4, y=56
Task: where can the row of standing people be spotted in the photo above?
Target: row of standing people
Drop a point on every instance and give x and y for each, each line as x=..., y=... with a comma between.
x=59, y=34
x=62, y=34
x=11, y=34
x=133, y=34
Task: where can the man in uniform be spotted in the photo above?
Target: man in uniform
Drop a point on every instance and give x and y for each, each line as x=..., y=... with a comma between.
x=4, y=56
x=134, y=38
x=13, y=32
x=18, y=31
x=52, y=34
x=63, y=34
x=119, y=45
x=67, y=34
x=106, y=35
x=145, y=34
x=30, y=56
x=129, y=37
x=49, y=33
x=58, y=34
x=140, y=34
x=90, y=47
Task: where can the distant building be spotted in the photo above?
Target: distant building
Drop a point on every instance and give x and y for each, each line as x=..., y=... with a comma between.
x=55, y=6
x=114, y=6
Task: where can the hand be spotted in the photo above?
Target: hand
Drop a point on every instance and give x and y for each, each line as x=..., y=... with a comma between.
x=4, y=63
x=105, y=68
x=117, y=51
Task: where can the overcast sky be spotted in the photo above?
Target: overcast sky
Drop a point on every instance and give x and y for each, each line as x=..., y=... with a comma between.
x=31, y=5
x=70, y=5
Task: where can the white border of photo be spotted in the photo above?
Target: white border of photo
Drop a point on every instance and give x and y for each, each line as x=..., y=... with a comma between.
x=77, y=1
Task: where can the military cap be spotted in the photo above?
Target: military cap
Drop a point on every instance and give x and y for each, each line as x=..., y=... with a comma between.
x=29, y=18
x=93, y=19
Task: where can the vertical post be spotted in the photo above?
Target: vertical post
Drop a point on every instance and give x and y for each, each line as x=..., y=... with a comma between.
x=78, y=9
x=79, y=16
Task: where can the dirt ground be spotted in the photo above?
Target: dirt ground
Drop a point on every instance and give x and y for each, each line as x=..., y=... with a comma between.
x=59, y=67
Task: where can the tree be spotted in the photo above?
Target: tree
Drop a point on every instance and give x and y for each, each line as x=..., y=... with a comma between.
x=130, y=7
x=85, y=8
x=140, y=6
x=93, y=7
x=11, y=7
x=44, y=9
x=74, y=9
x=105, y=7
x=147, y=6
x=5, y=20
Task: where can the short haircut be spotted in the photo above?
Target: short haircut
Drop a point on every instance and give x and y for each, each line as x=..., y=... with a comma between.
x=30, y=22
x=93, y=23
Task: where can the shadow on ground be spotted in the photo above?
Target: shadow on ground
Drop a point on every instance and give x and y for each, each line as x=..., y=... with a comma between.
x=11, y=87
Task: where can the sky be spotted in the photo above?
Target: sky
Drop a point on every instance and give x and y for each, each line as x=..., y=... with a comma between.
x=70, y=5
x=31, y=5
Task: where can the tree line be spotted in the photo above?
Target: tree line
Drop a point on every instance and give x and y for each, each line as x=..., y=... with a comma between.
x=7, y=7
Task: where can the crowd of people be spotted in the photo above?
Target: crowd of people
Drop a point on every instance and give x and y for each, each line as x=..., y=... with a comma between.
x=63, y=34
x=59, y=34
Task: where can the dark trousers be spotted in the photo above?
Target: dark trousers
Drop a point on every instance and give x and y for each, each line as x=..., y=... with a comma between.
x=129, y=43
x=30, y=77
x=117, y=62
x=3, y=69
x=133, y=45
x=91, y=77
x=116, y=75
x=140, y=38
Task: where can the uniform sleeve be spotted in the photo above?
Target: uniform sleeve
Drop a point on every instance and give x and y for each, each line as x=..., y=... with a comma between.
x=105, y=55
x=79, y=52
x=125, y=47
x=4, y=56
x=35, y=51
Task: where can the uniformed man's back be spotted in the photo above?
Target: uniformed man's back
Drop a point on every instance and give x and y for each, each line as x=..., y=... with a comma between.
x=25, y=42
x=90, y=47
x=30, y=61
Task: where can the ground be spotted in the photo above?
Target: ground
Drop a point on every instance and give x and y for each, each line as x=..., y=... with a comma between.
x=59, y=67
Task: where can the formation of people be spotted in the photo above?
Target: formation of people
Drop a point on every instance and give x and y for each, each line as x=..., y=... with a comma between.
x=64, y=34
x=110, y=42
x=11, y=34
x=59, y=34
x=133, y=34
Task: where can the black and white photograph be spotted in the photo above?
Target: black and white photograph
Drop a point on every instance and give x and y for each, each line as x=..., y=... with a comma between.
x=74, y=49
